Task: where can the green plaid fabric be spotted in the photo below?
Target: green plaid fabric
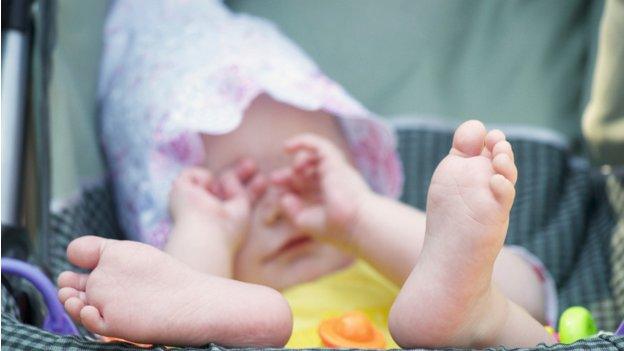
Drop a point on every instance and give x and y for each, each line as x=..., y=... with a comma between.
x=9, y=305
x=561, y=214
x=93, y=213
x=18, y=336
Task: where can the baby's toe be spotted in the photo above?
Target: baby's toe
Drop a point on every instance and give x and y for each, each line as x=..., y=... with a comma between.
x=503, y=147
x=503, y=190
x=74, y=280
x=491, y=139
x=468, y=139
x=85, y=251
x=65, y=293
x=73, y=305
x=90, y=317
x=504, y=165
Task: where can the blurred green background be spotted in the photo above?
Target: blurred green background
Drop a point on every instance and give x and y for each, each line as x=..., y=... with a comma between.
x=514, y=61
x=525, y=62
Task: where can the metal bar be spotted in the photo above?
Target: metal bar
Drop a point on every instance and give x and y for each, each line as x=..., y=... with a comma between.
x=14, y=81
x=44, y=38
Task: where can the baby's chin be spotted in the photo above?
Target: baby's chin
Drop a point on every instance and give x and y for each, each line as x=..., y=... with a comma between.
x=282, y=274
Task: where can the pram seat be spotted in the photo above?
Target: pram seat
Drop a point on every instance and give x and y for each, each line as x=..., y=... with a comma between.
x=561, y=214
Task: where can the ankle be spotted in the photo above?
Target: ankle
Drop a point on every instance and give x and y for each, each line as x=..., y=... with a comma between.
x=491, y=320
x=518, y=329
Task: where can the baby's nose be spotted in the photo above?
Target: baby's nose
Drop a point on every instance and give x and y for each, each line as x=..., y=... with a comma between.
x=273, y=215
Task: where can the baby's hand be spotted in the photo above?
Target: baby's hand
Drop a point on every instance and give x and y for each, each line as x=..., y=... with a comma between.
x=324, y=192
x=198, y=196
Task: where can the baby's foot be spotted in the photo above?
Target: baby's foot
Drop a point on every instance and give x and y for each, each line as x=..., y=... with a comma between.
x=138, y=293
x=449, y=299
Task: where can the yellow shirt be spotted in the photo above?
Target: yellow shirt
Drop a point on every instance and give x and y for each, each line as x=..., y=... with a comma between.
x=358, y=287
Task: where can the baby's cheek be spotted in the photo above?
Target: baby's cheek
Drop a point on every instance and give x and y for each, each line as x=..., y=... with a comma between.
x=334, y=259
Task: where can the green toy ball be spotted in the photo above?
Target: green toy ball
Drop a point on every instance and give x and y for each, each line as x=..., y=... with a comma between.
x=576, y=323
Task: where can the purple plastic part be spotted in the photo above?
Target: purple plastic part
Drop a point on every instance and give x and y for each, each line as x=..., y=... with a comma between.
x=620, y=329
x=57, y=321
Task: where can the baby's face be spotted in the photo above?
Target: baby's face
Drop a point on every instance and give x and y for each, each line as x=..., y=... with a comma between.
x=275, y=254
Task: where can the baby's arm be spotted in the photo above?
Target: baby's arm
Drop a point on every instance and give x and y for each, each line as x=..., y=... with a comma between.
x=211, y=216
x=390, y=235
x=384, y=232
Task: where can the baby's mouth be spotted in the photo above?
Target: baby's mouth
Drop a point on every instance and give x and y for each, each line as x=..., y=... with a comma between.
x=293, y=243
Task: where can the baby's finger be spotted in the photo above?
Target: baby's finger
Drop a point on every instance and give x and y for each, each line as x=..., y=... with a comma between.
x=238, y=208
x=306, y=166
x=232, y=186
x=328, y=154
x=291, y=205
x=294, y=182
x=311, y=175
x=257, y=187
x=197, y=176
x=308, y=219
x=236, y=197
x=312, y=220
x=216, y=189
x=301, y=183
x=304, y=159
x=282, y=176
x=245, y=169
x=312, y=143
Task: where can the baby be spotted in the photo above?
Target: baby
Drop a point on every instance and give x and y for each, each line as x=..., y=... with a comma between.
x=284, y=192
x=276, y=221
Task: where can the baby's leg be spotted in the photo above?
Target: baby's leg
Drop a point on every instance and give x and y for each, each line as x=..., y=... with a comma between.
x=521, y=282
x=138, y=293
x=449, y=298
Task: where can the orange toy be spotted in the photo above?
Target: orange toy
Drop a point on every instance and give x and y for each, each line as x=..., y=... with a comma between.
x=352, y=330
x=109, y=339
